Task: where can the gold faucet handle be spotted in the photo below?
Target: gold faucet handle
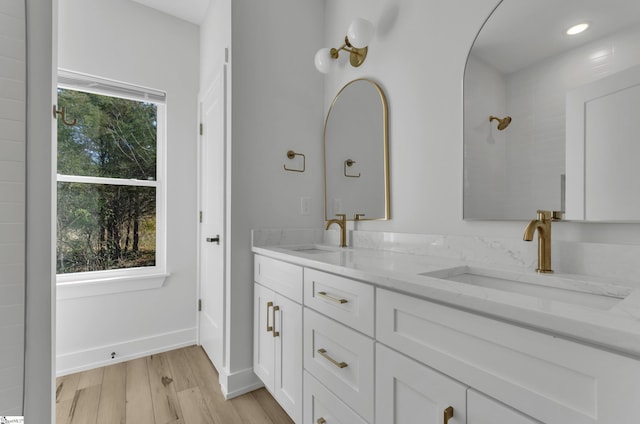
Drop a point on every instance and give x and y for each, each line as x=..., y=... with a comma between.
x=543, y=215
x=342, y=216
x=557, y=215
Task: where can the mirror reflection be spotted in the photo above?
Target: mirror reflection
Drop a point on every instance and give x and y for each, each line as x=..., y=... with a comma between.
x=356, y=153
x=572, y=104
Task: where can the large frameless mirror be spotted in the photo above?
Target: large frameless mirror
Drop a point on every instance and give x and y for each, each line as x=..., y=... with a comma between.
x=550, y=119
x=356, y=146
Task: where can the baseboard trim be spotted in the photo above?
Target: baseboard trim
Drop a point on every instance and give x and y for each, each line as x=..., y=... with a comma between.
x=239, y=382
x=100, y=356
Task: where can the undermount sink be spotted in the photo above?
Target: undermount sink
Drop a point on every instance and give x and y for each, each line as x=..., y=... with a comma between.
x=545, y=286
x=313, y=249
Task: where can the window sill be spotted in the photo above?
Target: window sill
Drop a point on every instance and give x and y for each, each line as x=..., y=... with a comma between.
x=109, y=285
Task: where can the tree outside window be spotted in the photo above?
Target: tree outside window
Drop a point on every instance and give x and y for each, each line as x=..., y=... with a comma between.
x=107, y=183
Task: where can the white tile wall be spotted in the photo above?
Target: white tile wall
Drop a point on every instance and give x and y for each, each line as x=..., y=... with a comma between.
x=12, y=203
x=485, y=178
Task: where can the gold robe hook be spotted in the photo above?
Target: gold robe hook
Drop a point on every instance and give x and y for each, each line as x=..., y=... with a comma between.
x=63, y=114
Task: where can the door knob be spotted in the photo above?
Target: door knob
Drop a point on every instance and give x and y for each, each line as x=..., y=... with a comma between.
x=215, y=239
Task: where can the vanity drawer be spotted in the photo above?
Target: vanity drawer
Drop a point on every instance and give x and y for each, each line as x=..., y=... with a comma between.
x=279, y=276
x=345, y=300
x=551, y=379
x=320, y=404
x=342, y=359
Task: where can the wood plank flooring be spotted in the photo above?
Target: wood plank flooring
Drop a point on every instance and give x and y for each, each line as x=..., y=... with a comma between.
x=176, y=387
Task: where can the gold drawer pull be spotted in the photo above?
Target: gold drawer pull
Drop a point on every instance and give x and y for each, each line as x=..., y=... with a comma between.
x=275, y=333
x=448, y=413
x=269, y=305
x=323, y=352
x=331, y=298
x=321, y=421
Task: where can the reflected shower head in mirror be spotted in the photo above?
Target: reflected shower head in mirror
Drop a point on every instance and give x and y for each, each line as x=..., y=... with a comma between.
x=502, y=123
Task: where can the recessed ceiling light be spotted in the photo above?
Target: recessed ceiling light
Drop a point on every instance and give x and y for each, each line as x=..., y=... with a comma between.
x=577, y=29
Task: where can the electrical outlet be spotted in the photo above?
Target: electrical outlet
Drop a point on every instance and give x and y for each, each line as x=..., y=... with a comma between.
x=305, y=206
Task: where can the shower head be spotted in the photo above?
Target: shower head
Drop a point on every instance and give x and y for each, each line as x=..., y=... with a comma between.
x=502, y=123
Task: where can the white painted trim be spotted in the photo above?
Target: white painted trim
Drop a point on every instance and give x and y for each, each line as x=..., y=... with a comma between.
x=83, y=360
x=106, y=181
x=238, y=383
x=109, y=285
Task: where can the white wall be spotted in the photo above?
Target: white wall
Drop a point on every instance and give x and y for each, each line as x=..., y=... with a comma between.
x=39, y=402
x=13, y=98
x=276, y=106
x=126, y=41
x=423, y=81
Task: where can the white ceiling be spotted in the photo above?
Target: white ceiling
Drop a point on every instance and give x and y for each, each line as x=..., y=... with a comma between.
x=189, y=10
x=521, y=32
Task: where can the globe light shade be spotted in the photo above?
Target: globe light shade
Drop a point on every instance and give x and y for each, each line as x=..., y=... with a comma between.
x=323, y=60
x=360, y=33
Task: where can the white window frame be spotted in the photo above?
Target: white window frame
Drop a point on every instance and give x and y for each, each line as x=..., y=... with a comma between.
x=94, y=283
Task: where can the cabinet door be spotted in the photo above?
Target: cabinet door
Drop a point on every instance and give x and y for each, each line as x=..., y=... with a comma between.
x=484, y=410
x=410, y=392
x=322, y=406
x=288, y=356
x=263, y=340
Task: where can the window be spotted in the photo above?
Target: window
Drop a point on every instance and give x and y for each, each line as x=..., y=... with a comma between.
x=110, y=198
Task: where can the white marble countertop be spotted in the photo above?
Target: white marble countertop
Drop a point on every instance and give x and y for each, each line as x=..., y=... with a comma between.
x=614, y=325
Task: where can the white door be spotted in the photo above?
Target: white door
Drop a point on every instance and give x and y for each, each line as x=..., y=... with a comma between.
x=602, y=148
x=212, y=220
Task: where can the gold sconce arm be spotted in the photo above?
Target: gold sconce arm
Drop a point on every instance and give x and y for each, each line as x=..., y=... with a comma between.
x=349, y=163
x=291, y=154
x=356, y=43
x=356, y=55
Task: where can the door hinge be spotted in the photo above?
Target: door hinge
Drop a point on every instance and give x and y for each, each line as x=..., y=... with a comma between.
x=199, y=305
x=201, y=129
x=201, y=217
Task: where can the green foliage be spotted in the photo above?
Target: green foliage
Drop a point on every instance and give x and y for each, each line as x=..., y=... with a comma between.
x=103, y=226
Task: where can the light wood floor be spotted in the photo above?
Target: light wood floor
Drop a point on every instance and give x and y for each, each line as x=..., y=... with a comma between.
x=176, y=387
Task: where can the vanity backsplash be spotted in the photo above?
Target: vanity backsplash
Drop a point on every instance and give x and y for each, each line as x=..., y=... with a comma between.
x=615, y=262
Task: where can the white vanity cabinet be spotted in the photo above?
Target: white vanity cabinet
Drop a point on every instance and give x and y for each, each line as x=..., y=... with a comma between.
x=277, y=341
x=552, y=380
x=410, y=392
x=484, y=410
x=335, y=350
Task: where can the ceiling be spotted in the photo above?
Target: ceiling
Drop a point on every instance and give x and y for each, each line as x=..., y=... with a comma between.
x=521, y=32
x=190, y=10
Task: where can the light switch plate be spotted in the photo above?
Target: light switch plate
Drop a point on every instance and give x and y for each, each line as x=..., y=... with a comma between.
x=305, y=206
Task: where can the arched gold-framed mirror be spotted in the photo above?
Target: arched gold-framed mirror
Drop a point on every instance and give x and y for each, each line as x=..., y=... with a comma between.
x=356, y=153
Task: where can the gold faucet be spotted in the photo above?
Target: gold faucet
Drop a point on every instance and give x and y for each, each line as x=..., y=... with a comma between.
x=342, y=223
x=542, y=223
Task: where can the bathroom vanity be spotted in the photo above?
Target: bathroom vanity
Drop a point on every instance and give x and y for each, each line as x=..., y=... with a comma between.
x=376, y=336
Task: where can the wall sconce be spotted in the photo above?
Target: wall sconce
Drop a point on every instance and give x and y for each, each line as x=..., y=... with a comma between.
x=359, y=35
